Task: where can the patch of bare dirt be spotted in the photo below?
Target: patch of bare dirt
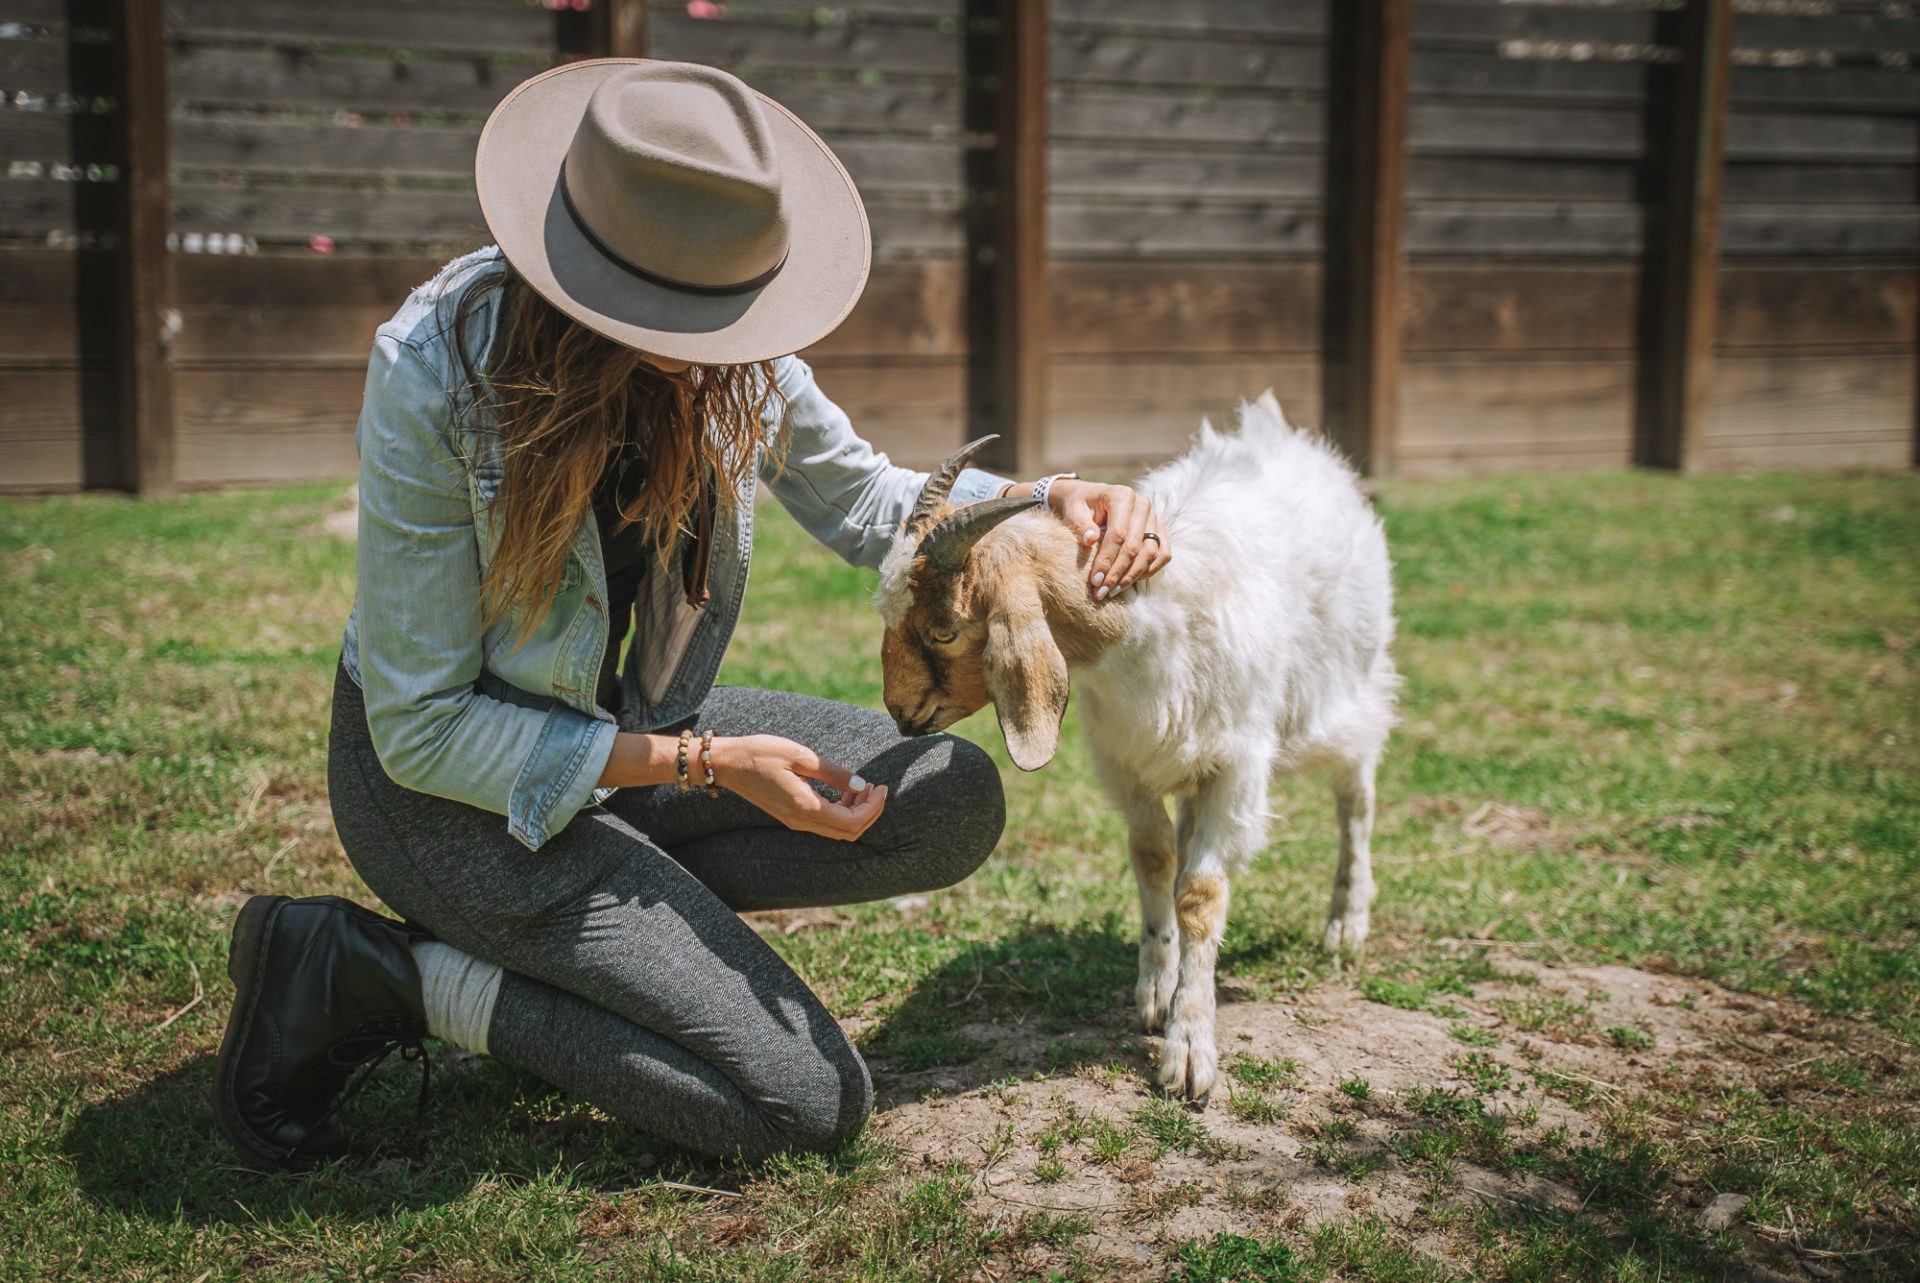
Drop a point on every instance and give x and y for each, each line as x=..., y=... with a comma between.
x=1558, y=1048
x=343, y=519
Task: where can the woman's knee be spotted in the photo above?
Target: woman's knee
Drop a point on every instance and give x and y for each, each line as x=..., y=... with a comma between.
x=827, y=1102
x=964, y=812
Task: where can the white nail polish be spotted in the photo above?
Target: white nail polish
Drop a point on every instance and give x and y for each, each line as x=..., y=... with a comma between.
x=1101, y=595
x=1092, y=535
x=1099, y=577
x=856, y=785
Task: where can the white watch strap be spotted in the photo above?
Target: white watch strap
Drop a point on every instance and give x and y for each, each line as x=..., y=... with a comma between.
x=1045, y=484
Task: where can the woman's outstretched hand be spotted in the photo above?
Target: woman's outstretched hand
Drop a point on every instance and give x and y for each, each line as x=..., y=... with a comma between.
x=772, y=773
x=1120, y=519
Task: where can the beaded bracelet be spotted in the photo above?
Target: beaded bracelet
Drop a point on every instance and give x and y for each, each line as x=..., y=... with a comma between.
x=706, y=762
x=686, y=742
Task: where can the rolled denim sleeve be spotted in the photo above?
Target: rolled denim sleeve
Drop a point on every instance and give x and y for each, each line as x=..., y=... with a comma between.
x=845, y=493
x=418, y=616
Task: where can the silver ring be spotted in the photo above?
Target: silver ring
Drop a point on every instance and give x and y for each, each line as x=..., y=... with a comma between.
x=1152, y=536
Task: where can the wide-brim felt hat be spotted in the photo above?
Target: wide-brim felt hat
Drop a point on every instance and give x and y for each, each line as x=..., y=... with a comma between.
x=674, y=209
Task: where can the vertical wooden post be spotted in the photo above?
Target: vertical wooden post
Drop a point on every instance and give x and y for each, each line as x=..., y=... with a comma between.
x=1686, y=276
x=1007, y=321
x=143, y=268
x=619, y=28
x=1371, y=49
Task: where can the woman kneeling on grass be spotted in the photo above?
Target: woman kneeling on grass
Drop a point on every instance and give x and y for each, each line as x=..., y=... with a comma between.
x=559, y=444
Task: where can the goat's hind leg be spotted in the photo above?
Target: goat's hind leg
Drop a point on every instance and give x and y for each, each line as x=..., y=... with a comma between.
x=1353, y=877
x=1150, y=843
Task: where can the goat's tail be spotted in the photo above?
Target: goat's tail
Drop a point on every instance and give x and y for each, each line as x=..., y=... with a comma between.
x=1263, y=417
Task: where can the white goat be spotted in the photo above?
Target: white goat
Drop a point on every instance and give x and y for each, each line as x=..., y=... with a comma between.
x=1261, y=648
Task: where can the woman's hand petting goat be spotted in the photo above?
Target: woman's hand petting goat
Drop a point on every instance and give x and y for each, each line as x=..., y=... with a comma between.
x=1131, y=537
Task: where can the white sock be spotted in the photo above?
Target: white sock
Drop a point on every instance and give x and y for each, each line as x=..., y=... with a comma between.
x=458, y=991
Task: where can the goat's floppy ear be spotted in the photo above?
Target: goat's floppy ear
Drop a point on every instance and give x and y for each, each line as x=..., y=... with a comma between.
x=1026, y=678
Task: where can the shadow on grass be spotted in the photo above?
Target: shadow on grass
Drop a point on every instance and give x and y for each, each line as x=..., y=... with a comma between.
x=158, y=1153
x=1043, y=999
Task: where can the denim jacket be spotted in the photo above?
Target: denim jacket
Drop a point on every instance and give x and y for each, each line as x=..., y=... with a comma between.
x=458, y=711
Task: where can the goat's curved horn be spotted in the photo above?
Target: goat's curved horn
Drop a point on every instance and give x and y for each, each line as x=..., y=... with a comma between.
x=946, y=545
x=934, y=494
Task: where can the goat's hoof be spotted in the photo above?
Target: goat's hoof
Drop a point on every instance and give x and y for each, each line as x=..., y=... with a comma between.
x=1153, y=1001
x=1189, y=1065
x=1346, y=933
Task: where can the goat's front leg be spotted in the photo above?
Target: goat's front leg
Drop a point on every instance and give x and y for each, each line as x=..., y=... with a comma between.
x=1223, y=823
x=1353, y=877
x=1150, y=843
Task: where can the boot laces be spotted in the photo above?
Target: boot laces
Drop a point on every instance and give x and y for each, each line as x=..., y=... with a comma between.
x=367, y=1049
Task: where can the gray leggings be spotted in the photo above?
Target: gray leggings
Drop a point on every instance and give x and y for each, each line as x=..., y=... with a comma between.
x=630, y=981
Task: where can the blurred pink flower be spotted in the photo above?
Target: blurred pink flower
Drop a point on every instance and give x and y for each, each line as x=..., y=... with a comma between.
x=320, y=244
x=403, y=118
x=705, y=9
x=351, y=119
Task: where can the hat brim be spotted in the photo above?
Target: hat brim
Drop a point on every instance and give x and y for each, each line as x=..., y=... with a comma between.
x=517, y=170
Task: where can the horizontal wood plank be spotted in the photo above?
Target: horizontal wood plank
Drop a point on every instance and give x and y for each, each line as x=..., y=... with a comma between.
x=1296, y=19
x=904, y=11
x=263, y=145
x=1812, y=411
x=913, y=410
x=1826, y=138
x=1145, y=62
x=1173, y=228
x=1121, y=169
x=842, y=108
x=1115, y=306
x=1534, y=132
x=268, y=422
x=34, y=66
x=1844, y=88
x=328, y=150
x=1148, y=63
x=212, y=75
x=324, y=309
x=1470, y=24
x=1840, y=34
x=886, y=47
x=1474, y=413
x=353, y=216
x=913, y=308
x=290, y=215
x=1121, y=306
x=1841, y=230
x=58, y=426
x=264, y=422
x=1075, y=113
x=1819, y=305
x=485, y=26
x=1113, y=417
x=47, y=138
x=1615, y=181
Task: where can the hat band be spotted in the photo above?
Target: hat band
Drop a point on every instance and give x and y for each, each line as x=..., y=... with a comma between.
x=656, y=277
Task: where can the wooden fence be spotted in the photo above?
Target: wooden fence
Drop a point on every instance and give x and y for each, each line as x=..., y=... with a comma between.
x=1467, y=235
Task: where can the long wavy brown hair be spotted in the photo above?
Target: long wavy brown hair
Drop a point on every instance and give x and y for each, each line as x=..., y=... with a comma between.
x=571, y=405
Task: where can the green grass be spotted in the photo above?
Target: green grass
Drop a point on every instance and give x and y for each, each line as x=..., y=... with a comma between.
x=1701, y=692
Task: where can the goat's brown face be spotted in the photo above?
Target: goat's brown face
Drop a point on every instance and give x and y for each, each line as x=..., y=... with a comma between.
x=931, y=663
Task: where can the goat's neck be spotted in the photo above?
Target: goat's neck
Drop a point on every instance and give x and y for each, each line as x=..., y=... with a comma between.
x=1043, y=547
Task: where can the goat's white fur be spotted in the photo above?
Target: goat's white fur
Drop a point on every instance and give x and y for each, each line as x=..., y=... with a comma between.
x=1261, y=649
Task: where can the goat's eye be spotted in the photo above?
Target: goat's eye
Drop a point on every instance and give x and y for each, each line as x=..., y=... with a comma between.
x=943, y=636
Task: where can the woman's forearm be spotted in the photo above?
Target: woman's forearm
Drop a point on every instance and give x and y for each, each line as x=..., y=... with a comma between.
x=641, y=759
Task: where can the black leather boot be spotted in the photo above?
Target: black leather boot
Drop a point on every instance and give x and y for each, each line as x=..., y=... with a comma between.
x=322, y=986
